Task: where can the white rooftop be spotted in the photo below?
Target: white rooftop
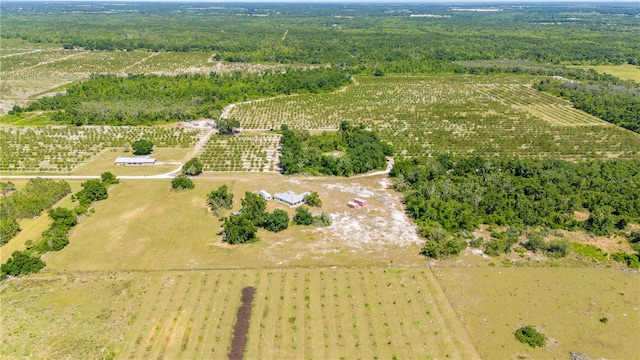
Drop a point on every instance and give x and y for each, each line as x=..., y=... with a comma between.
x=290, y=197
x=135, y=160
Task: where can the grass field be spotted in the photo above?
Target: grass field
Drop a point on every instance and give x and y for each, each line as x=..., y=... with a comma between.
x=298, y=314
x=565, y=303
x=625, y=71
x=481, y=115
x=160, y=229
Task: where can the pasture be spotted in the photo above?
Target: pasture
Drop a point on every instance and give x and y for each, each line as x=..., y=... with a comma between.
x=161, y=229
x=467, y=115
x=297, y=314
x=566, y=304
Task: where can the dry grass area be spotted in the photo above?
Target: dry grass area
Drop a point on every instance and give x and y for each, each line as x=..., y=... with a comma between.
x=565, y=303
x=160, y=229
x=68, y=316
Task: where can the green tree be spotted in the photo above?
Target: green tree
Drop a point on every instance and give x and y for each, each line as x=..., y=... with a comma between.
x=303, y=216
x=9, y=228
x=182, y=182
x=529, y=335
x=193, y=167
x=276, y=221
x=313, y=199
x=92, y=190
x=142, y=147
x=254, y=208
x=21, y=263
x=227, y=126
x=108, y=178
x=220, y=199
x=55, y=238
x=239, y=230
x=62, y=217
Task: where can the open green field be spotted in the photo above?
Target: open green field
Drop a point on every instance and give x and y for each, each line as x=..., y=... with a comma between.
x=625, y=71
x=496, y=115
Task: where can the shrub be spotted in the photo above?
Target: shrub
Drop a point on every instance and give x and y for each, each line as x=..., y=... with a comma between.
x=21, y=263
x=142, y=147
x=108, y=178
x=531, y=336
x=182, y=182
x=276, y=221
x=193, y=167
x=303, y=216
x=313, y=199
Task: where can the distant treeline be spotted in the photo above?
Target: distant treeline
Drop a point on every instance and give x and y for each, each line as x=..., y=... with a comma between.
x=148, y=99
x=460, y=193
x=378, y=37
x=351, y=150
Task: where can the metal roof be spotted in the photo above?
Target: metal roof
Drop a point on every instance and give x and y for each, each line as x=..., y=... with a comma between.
x=290, y=197
x=135, y=160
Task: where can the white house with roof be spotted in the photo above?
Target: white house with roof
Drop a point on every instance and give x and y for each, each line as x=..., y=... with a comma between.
x=290, y=198
x=135, y=161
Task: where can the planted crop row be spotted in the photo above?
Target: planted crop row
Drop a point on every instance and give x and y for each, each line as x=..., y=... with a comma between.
x=298, y=314
x=546, y=106
x=423, y=116
x=241, y=153
x=63, y=148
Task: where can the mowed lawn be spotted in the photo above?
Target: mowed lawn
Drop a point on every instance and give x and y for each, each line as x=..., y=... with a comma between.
x=566, y=304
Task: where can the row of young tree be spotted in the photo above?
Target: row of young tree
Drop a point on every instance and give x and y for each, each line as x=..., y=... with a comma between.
x=148, y=99
x=453, y=195
x=616, y=103
x=56, y=237
x=37, y=195
x=602, y=95
x=351, y=150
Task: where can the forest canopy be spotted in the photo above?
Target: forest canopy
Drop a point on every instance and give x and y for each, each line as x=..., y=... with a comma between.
x=351, y=150
x=460, y=193
x=148, y=99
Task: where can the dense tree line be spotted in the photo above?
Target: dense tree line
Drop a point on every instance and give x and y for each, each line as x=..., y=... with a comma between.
x=351, y=150
x=56, y=237
x=37, y=195
x=450, y=195
x=383, y=37
x=616, y=103
x=148, y=99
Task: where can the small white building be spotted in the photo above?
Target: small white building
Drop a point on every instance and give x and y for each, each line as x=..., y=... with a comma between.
x=290, y=198
x=265, y=195
x=135, y=161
